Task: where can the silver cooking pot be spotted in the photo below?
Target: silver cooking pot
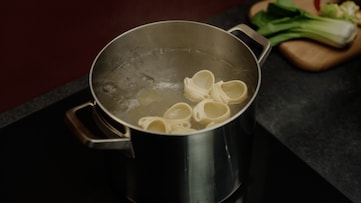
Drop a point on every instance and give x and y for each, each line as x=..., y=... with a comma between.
x=141, y=73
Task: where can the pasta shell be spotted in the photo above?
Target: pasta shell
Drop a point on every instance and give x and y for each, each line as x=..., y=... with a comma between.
x=182, y=130
x=208, y=111
x=179, y=111
x=199, y=86
x=179, y=115
x=155, y=124
x=179, y=124
x=230, y=92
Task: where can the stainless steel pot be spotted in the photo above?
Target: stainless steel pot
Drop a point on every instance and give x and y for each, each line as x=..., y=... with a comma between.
x=145, y=67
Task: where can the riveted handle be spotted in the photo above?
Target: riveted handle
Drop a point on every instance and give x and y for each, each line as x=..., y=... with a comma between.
x=90, y=135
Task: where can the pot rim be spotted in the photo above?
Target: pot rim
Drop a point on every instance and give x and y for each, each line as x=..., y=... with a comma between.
x=135, y=127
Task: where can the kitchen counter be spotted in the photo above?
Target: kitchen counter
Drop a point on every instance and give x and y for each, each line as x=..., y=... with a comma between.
x=315, y=115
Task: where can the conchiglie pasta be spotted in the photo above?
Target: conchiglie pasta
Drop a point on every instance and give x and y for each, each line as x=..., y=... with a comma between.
x=182, y=130
x=229, y=92
x=179, y=111
x=208, y=111
x=213, y=100
x=155, y=124
x=199, y=86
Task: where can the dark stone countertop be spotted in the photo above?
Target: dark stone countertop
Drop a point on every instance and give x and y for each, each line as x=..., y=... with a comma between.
x=316, y=115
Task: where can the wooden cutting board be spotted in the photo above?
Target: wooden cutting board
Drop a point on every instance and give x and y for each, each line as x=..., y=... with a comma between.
x=309, y=55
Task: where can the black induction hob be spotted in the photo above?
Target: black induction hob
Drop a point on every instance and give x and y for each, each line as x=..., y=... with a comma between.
x=42, y=161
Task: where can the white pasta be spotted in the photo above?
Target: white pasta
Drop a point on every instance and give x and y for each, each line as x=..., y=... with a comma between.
x=155, y=124
x=208, y=111
x=212, y=107
x=179, y=111
x=229, y=92
x=182, y=130
x=199, y=86
x=179, y=124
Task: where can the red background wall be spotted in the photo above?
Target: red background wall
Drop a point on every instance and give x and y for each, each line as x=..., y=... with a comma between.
x=45, y=44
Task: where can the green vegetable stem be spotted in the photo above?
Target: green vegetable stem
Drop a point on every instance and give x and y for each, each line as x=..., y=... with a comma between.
x=283, y=21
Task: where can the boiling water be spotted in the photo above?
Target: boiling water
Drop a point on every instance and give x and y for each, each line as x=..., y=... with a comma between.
x=147, y=85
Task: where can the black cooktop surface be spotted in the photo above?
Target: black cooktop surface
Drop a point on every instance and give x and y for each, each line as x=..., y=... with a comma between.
x=42, y=161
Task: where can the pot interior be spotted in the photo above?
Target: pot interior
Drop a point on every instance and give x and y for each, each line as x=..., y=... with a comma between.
x=141, y=72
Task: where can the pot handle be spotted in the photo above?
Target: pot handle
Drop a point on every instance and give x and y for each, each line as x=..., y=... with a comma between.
x=259, y=45
x=85, y=131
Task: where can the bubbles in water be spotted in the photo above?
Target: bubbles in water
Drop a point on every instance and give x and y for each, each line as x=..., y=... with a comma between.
x=109, y=87
x=120, y=100
x=126, y=105
x=122, y=107
x=149, y=84
x=150, y=80
x=133, y=103
x=131, y=85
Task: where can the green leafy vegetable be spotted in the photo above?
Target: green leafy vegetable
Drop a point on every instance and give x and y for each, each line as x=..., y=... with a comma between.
x=283, y=20
x=331, y=10
x=347, y=10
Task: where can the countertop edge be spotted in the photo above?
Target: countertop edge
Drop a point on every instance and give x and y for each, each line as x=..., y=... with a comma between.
x=41, y=102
